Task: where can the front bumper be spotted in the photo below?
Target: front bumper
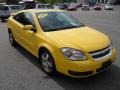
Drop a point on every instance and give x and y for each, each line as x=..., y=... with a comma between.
x=71, y=9
x=108, y=8
x=4, y=16
x=85, y=68
x=97, y=8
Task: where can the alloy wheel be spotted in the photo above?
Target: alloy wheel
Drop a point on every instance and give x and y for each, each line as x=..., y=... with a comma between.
x=46, y=61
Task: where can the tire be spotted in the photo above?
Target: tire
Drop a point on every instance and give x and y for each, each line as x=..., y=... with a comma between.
x=3, y=19
x=12, y=40
x=47, y=62
x=75, y=9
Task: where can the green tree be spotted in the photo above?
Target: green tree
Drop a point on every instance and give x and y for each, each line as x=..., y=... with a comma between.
x=42, y=1
x=54, y=1
x=2, y=1
x=12, y=1
x=49, y=1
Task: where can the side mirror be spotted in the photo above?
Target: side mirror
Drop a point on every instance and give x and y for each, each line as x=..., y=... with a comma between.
x=28, y=27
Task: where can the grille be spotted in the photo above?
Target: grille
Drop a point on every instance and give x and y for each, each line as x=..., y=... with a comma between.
x=103, y=53
x=87, y=73
x=104, y=65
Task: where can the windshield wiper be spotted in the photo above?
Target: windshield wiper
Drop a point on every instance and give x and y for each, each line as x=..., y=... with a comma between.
x=63, y=28
x=72, y=27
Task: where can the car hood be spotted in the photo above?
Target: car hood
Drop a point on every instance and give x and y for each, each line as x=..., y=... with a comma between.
x=84, y=38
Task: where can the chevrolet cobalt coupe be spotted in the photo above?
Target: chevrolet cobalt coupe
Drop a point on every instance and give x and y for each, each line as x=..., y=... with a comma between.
x=60, y=42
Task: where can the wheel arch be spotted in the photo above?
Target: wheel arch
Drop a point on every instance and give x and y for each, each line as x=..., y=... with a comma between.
x=46, y=47
x=50, y=48
x=41, y=49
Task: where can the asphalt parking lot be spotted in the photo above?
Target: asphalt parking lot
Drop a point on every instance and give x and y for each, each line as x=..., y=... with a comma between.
x=19, y=70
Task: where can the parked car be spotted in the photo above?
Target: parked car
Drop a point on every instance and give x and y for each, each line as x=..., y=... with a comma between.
x=79, y=5
x=60, y=42
x=85, y=7
x=66, y=5
x=72, y=7
x=108, y=7
x=38, y=6
x=97, y=7
x=6, y=10
x=59, y=6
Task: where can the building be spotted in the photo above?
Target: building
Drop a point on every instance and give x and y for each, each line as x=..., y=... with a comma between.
x=100, y=1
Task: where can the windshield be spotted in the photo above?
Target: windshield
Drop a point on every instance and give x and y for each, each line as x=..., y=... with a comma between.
x=54, y=21
x=3, y=8
x=108, y=4
x=15, y=7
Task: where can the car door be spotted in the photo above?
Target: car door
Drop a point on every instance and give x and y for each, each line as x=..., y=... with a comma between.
x=30, y=37
x=26, y=38
x=17, y=28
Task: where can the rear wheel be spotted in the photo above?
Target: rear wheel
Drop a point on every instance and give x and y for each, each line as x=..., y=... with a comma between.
x=47, y=62
x=11, y=39
x=75, y=9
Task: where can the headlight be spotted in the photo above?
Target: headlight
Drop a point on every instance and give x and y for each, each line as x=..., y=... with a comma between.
x=73, y=54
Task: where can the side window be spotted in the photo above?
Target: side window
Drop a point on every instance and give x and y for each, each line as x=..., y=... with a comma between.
x=15, y=7
x=30, y=6
x=24, y=18
x=19, y=17
x=39, y=6
x=28, y=19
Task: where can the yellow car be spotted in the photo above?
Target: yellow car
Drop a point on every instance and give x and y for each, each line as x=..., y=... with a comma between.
x=61, y=42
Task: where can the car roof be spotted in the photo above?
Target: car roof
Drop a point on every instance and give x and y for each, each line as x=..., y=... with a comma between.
x=10, y=5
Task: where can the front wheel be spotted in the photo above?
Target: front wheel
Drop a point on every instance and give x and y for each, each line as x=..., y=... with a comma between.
x=3, y=19
x=47, y=62
x=11, y=39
